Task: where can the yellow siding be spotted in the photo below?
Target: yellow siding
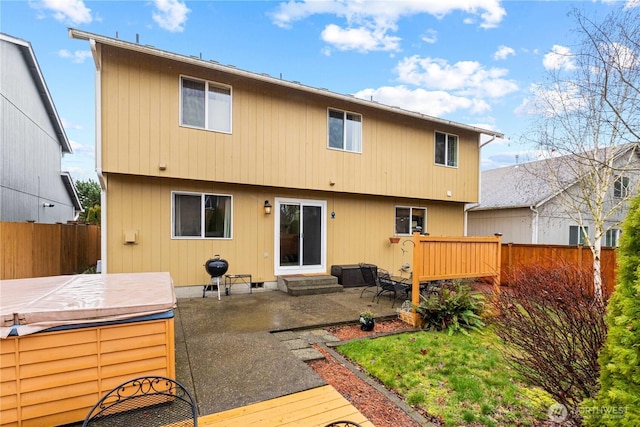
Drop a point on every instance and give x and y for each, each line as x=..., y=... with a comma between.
x=359, y=233
x=279, y=137
x=54, y=378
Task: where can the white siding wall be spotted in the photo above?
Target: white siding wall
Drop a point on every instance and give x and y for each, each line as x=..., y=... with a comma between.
x=30, y=152
x=514, y=224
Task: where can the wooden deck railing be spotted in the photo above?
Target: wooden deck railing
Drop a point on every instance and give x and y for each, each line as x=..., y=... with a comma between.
x=438, y=258
x=38, y=250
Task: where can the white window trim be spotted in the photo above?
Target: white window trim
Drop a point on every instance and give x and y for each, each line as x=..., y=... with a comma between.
x=206, y=104
x=411, y=208
x=344, y=130
x=583, y=234
x=202, y=217
x=446, y=151
x=625, y=190
x=615, y=234
x=301, y=269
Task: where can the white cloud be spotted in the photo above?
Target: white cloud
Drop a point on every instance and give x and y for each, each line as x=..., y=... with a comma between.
x=81, y=164
x=73, y=12
x=629, y=4
x=82, y=149
x=79, y=56
x=466, y=78
x=551, y=101
x=430, y=36
x=170, y=15
x=380, y=18
x=362, y=39
x=560, y=58
x=503, y=52
x=70, y=125
x=435, y=103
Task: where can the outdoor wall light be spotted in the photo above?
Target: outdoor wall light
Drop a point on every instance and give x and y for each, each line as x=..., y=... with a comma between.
x=48, y=205
x=267, y=207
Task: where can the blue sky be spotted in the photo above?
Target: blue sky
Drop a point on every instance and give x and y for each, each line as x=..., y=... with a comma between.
x=470, y=61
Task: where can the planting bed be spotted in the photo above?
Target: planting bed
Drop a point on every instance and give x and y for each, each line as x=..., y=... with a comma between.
x=377, y=407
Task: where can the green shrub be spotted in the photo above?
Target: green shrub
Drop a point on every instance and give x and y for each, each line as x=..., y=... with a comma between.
x=93, y=215
x=618, y=400
x=457, y=308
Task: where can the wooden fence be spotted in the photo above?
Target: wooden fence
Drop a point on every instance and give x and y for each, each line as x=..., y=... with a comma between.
x=515, y=256
x=38, y=250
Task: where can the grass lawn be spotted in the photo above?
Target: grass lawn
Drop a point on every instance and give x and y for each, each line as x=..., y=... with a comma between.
x=460, y=379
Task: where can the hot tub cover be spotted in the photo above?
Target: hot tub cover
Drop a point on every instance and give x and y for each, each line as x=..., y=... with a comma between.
x=31, y=305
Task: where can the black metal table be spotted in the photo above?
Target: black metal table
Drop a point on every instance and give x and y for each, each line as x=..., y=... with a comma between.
x=232, y=279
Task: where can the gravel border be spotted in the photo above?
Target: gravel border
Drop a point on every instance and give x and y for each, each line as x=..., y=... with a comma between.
x=410, y=411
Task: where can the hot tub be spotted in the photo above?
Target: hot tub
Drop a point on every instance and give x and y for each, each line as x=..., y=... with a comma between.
x=66, y=340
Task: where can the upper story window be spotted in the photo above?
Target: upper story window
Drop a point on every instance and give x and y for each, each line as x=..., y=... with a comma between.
x=410, y=220
x=200, y=216
x=578, y=235
x=345, y=131
x=446, y=149
x=621, y=187
x=205, y=105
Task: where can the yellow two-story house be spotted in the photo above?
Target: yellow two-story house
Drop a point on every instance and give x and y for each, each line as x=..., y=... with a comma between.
x=196, y=158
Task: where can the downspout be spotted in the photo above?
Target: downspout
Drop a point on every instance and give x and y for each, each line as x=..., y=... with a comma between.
x=534, y=225
x=101, y=178
x=466, y=209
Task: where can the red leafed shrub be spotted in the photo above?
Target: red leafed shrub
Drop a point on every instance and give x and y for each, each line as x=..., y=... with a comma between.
x=553, y=329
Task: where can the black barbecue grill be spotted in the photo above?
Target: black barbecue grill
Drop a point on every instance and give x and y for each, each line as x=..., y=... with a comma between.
x=216, y=268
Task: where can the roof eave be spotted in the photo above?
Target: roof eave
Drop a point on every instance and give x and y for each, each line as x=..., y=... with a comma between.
x=72, y=190
x=150, y=50
x=499, y=208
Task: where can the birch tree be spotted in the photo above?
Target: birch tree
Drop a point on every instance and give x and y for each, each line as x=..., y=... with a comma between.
x=587, y=116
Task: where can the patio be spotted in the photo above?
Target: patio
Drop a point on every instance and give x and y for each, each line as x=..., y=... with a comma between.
x=227, y=356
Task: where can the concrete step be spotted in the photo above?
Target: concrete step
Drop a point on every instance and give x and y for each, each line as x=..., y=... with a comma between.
x=310, y=285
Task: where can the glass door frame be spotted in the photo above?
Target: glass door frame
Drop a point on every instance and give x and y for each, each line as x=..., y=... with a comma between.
x=300, y=269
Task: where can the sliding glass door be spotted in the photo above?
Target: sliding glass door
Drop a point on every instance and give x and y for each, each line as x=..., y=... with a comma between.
x=300, y=236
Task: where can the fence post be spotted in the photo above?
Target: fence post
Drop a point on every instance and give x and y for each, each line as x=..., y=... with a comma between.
x=413, y=318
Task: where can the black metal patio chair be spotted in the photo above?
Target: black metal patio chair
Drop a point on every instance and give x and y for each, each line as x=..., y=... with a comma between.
x=394, y=287
x=145, y=401
x=343, y=424
x=370, y=277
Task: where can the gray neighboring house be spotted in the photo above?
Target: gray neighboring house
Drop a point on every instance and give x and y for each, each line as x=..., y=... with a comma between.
x=32, y=143
x=518, y=202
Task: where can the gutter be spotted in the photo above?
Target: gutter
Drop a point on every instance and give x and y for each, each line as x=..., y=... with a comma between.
x=534, y=225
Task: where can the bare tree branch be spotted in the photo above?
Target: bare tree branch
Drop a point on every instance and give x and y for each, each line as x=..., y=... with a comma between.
x=588, y=121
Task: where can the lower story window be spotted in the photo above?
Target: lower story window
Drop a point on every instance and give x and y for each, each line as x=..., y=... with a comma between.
x=200, y=216
x=611, y=238
x=410, y=220
x=578, y=235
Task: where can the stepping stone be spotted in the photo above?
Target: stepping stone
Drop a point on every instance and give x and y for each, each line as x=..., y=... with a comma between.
x=285, y=335
x=295, y=344
x=316, y=336
x=308, y=354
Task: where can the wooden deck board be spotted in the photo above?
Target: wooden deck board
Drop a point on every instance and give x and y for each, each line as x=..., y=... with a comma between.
x=316, y=407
